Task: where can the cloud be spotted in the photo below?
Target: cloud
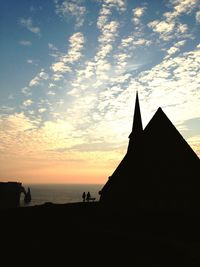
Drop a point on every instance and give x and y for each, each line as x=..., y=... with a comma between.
x=164, y=28
x=26, y=91
x=15, y=123
x=169, y=29
x=126, y=57
x=51, y=85
x=138, y=37
x=138, y=12
x=104, y=51
x=107, y=104
x=94, y=147
x=57, y=77
x=76, y=42
x=60, y=67
x=27, y=102
x=125, y=42
x=28, y=24
x=51, y=93
x=170, y=26
x=198, y=16
x=132, y=42
x=176, y=48
x=42, y=110
x=121, y=60
x=72, y=8
x=171, y=84
x=52, y=47
x=100, y=87
x=6, y=109
x=181, y=6
x=97, y=70
x=29, y=61
x=32, y=61
x=54, y=52
x=25, y=43
x=104, y=14
x=32, y=148
x=194, y=142
x=42, y=75
x=18, y=129
x=107, y=37
x=172, y=50
x=118, y=4
x=35, y=81
x=109, y=32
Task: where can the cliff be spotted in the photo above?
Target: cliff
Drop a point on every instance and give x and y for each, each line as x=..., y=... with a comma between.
x=10, y=194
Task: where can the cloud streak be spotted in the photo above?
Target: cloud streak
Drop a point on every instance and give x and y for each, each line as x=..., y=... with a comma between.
x=25, y=43
x=29, y=25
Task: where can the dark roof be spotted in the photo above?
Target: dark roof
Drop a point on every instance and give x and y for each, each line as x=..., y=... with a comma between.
x=157, y=157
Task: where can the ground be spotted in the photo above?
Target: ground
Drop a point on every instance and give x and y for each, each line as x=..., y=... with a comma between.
x=82, y=234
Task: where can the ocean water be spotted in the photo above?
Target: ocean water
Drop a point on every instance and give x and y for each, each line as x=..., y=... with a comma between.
x=59, y=193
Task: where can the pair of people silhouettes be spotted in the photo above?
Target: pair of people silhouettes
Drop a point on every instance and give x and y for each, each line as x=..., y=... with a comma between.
x=86, y=197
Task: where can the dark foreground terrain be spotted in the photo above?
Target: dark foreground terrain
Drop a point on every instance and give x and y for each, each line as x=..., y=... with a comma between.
x=82, y=234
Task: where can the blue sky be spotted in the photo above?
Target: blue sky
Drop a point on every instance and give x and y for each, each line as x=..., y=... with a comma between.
x=69, y=73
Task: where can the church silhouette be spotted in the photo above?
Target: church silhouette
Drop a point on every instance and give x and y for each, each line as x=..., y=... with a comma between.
x=160, y=171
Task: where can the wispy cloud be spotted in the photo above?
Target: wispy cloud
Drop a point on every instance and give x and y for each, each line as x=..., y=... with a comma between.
x=26, y=91
x=198, y=16
x=175, y=48
x=25, y=43
x=42, y=75
x=73, y=8
x=27, y=102
x=42, y=110
x=29, y=25
x=63, y=65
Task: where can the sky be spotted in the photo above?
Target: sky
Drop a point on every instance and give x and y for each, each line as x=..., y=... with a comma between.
x=70, y=70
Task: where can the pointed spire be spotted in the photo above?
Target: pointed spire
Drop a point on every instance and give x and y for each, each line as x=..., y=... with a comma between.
x=137, y=120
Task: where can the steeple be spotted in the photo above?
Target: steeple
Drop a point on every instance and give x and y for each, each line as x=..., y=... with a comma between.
x=137, y=120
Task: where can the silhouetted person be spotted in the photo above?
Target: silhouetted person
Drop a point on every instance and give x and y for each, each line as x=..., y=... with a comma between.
x=83, y=196
x=88, y=197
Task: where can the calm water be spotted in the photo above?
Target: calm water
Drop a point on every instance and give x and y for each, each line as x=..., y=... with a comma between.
x=59, y=193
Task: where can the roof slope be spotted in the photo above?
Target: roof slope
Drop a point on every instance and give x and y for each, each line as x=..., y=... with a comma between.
x=158, y=162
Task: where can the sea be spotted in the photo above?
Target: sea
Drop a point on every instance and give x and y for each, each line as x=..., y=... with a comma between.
x=59, y=193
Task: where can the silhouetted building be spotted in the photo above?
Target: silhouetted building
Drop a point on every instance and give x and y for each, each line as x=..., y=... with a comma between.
x=159, y=170
x=10, y=194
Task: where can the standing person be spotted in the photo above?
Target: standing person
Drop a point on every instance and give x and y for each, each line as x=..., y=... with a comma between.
x=88, y=197
x=83, y=196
